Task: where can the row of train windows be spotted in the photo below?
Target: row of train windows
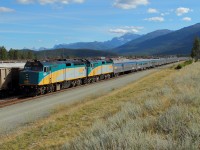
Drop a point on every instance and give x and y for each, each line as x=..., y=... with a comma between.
x=89, y=65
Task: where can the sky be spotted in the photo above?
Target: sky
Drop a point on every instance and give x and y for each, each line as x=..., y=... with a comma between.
x=45, y=23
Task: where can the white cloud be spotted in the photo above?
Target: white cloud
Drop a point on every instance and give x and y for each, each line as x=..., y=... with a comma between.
x=126, y=29
x=187, y=19
x=25, y=1
x=182, y=10
x=43, y=2
x=155, y=19
x=152, y=10
x=118, y=31
x=129, y=4
x=164, y=14
x=5, y=9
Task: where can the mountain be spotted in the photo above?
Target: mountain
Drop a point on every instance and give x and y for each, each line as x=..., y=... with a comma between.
x=176, y=42
x=115, y=42
x=55, y=53
x=42, y=48
x=133, y=43
x=83, y=45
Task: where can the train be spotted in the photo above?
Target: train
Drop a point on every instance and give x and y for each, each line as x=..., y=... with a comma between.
x=41, y=77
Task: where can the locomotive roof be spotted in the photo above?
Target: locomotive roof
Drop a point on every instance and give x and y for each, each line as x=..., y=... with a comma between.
x=46, y=63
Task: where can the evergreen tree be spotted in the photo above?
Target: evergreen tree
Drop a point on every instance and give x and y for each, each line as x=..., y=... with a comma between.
x=11, y=54
x=23, y=54
x=30, y=55
x=196, y=49
x=16, y=55
x=3, y=53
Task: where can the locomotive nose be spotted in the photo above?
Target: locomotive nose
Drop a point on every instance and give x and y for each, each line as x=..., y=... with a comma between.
x=28, y=78
x=24, y=78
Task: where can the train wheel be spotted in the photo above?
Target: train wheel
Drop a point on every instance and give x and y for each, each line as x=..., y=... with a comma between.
x=42, y=90
x=106, y=76
x=102, y=77
x=97, y=79
x=79, y=82
x=85, y=81
x=66, y=84
x=73, y=83
x=50, y=88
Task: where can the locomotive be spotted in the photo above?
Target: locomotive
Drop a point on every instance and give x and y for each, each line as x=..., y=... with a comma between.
x=40, y=77
x=44, y=77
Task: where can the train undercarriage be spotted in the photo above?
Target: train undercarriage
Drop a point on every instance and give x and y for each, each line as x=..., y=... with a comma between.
x=34, y=90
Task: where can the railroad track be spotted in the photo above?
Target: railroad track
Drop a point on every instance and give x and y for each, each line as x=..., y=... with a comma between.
x=20, y=99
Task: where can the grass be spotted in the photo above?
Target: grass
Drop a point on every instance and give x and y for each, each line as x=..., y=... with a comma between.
x=164, y=118
x=160, y=111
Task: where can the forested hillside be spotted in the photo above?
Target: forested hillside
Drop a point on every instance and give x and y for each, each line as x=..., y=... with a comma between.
x=14, y=54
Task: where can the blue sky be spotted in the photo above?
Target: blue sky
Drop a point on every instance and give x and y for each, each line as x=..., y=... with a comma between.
x=44, y=23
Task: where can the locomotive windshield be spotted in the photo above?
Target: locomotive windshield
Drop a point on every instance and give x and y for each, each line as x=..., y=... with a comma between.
x=33, y=66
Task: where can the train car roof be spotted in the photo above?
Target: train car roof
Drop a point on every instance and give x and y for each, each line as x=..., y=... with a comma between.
x=47, y=63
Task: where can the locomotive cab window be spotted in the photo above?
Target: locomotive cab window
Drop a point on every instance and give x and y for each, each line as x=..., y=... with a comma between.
x=68, y=64
x=46, y=69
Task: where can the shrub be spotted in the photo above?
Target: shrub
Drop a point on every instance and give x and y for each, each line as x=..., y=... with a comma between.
x=175, y=122
x=179, y=66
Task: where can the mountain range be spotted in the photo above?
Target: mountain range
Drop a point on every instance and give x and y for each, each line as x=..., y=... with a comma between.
x=132, y=44
x=168, y=43
x=159, y=42
x=113, y=43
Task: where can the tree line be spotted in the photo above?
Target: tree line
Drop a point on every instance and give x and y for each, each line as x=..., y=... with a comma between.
x=195, y=53
x=14, y=54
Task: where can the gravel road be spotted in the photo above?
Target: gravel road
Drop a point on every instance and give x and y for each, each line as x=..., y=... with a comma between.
x=20, y=114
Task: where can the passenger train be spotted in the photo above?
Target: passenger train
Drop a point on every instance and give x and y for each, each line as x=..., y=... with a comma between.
x=40, y=77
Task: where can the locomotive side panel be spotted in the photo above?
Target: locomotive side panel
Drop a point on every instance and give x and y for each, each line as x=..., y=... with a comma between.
x=80, y=72
x=108, y=68
x=94, y=69
x=58, y=73
x=62, y=73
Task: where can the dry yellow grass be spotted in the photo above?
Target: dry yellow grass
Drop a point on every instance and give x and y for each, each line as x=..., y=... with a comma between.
x=67, y=122
x=165, y=117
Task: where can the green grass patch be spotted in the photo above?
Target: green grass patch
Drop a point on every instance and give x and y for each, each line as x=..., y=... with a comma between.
x=180, y=66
